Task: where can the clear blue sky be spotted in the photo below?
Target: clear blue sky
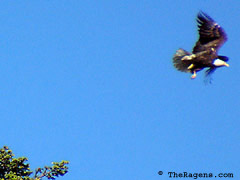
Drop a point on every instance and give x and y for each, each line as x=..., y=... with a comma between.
x=92, y=82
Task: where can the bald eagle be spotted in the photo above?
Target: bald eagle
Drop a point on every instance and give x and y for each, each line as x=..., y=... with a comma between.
x=205, y=51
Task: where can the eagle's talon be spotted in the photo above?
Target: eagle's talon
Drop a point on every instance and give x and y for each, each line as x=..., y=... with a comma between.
x=194, y=75
x=190, y=67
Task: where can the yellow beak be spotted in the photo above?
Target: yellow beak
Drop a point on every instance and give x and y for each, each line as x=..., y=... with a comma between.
x=226, y=64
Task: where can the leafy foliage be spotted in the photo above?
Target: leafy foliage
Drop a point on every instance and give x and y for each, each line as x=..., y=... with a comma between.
x=18, y=169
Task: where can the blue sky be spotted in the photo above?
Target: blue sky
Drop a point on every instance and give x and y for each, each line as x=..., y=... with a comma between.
x=92, y=82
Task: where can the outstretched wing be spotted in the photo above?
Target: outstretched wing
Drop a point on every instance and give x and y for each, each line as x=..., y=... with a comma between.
x=208, y=75
x=211, y=35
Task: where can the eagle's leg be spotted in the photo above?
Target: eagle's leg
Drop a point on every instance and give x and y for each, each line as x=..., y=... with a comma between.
x=190, y=57
x=190, y=67
x=194, y=75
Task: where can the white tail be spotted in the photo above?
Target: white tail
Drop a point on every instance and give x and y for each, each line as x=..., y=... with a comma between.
x=178, y=63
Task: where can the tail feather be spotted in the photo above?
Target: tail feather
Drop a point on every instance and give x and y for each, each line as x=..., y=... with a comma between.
x=178, y=63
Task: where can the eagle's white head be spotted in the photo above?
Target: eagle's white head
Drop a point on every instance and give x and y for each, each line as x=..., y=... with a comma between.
x=219, y=62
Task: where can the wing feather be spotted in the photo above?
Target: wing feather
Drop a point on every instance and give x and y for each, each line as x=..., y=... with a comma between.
x=208, y=75
x=211, y=35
